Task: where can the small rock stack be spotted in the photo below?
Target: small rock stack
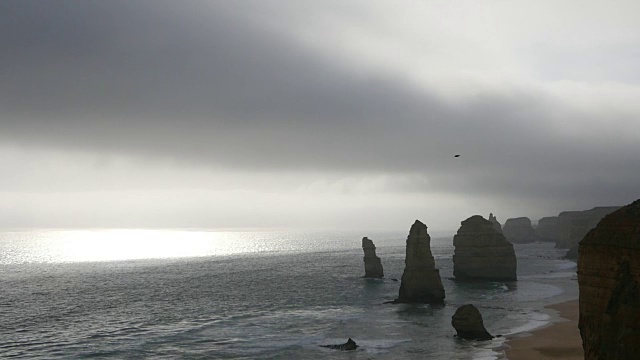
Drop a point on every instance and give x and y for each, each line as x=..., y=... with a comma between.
x=468, y=323
x=372, y=263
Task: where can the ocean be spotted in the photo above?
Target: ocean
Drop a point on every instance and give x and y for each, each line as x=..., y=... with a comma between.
x=167, y=294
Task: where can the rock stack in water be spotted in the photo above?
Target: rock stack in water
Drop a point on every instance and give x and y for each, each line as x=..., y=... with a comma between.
x=372, y=264
x=519, y=230
x=482, y=253
x=495, y=223
x=420, y=281
x=609, y=281
x=547, y=229
x=468, y=323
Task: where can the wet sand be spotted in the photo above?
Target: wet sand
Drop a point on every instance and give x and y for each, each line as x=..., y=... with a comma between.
x=559, y=340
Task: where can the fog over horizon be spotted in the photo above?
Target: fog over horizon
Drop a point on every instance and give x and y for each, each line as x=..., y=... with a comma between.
x=309, y=114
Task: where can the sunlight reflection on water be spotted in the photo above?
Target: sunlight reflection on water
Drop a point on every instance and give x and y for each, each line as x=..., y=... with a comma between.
x=40, y=246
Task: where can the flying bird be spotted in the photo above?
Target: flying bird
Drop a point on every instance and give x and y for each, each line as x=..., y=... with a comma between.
x=456, y=155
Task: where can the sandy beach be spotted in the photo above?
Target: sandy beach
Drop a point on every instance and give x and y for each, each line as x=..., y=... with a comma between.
x=559, y=340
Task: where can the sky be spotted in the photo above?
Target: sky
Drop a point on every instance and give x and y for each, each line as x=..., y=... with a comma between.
x=314, y=114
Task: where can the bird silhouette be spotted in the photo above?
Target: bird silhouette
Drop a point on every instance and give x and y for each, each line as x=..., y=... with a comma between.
x=456, y=155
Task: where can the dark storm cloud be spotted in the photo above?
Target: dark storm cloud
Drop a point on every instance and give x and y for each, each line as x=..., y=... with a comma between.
x=209, y=83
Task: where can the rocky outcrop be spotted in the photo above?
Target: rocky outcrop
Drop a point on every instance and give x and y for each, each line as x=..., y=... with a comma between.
x=547, y=229
x=420, y=282
x=372, y=263
x=572, y=254
x=349, y=345
x=519, y=230
x=495, y=223
x=468, y=323
x=609, y=281
x=572, y=226
x=482, y=253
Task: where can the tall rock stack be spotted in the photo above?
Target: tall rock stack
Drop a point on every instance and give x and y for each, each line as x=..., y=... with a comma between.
x=609, y=281
x=372, y=264
x=421, y=281
x=495, y=223
x=519, y=230
x=481, y=253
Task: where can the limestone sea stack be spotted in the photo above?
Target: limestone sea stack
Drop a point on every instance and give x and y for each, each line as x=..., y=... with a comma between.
x=482, y=253
x=495, y=223
x=609, y=282
x=547, y=229
x=372, y=263
x=468, y=323
x=519, y=230
x=420, y=281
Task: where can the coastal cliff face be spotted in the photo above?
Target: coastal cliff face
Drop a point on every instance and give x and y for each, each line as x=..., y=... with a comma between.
x=481, y=253
x=519, y=230
x=372, y=263
x=421, y=281
x=609, y=282
x=572, y=226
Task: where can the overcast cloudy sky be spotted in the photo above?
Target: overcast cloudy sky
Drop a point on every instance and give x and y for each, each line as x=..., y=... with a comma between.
x=315, y=114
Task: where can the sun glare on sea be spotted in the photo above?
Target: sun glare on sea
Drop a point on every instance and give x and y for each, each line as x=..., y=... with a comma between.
x=108, y=245
x=112, y=245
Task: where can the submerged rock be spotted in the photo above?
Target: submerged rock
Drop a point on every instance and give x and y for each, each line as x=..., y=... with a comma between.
x=609, y=282
x=420, y=282
x=495, y=223
x=349, y=345
x=372, y=263
x=519, y=230
x=468, y=323
x=482, y=253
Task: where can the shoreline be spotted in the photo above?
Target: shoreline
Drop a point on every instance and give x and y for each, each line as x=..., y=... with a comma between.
x=560, y=339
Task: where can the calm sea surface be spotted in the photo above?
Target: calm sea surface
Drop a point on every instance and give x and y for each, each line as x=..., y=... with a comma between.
x=129, y=294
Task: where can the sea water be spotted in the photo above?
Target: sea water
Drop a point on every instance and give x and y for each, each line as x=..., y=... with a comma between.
x=244, y=295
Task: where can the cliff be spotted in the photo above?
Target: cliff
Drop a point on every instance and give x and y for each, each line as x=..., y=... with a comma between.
x=572, y=226
x=372, y=263
x=519, y=230
x=609, y=282
x=482, y=253
x=420, y=282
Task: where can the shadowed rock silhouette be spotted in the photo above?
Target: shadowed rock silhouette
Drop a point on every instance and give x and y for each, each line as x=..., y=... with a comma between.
x=468, y=323
x=372, y=263
x=349, y=345
x=420, y=282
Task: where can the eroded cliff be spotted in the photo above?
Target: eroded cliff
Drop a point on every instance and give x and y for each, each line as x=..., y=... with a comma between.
x=609, y=281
